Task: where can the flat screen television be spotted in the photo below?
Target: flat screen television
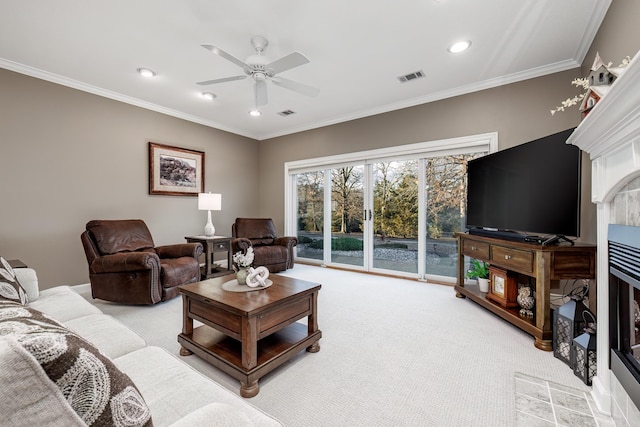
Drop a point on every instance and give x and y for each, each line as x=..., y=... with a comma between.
x=531, y=189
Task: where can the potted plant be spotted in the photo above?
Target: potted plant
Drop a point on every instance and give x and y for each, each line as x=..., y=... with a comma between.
x=479, y=270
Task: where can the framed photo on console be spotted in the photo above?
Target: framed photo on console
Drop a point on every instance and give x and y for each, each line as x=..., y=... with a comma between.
x=175, y=171
x=503, y=287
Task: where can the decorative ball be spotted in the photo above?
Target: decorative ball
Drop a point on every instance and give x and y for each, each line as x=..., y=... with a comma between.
x=525, y=301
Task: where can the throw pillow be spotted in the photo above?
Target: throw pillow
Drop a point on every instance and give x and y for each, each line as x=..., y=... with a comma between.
x=98, y=392
x=10, y=288
x=29, y=398
x=29, y=281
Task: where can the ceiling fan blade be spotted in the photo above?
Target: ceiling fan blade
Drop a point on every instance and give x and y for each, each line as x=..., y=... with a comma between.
x=295, y=86
x=261, y=92
x=222, y=80
x=288, y=62
x=225, y=55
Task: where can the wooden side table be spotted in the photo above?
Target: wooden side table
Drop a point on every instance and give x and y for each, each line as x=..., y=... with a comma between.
x=16, y=263
x=213, y=245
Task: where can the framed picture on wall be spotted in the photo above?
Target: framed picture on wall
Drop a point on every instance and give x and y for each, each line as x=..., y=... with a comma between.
x=175, y=171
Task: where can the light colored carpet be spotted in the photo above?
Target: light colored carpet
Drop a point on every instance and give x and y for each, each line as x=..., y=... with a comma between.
x=394, y=352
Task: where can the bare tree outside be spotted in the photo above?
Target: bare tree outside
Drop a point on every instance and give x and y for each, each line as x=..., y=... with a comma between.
x=395, y=216
x=310, y=192
x=310, y=187
x=346, y=187
x=446, y=193
x=395, y=199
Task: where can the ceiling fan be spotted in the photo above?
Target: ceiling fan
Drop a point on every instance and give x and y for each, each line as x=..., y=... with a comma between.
x=260, y=70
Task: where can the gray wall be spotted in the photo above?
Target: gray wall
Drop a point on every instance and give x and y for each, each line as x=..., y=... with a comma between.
x=68, y=157
x=618, y=36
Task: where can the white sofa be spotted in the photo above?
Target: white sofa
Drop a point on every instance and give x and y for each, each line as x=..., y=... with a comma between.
x=175, y=394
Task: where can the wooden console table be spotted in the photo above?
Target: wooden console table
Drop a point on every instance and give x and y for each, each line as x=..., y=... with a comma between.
x=546, y=264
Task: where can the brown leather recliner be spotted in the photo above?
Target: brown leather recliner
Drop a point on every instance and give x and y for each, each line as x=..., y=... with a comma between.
x=275, y=253
x=126, y=267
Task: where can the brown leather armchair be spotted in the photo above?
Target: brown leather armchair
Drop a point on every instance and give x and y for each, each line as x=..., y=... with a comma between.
x=275, y=253
x=126, y=267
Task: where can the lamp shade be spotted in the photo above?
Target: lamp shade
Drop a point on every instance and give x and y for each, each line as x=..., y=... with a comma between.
x=209, y=202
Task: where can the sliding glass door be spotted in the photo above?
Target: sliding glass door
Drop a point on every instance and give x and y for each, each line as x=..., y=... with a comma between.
x=391, y=214
x=347, y=215
x=395, y=216
x=445, y=196
x=310, y=214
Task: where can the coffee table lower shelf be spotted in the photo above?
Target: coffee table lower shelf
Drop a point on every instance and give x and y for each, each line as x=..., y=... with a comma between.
x=225, y=353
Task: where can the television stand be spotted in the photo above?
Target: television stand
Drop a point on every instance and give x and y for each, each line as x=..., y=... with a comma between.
x=546, y=264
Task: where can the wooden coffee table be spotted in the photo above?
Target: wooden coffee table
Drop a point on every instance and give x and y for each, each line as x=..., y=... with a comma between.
x=248, y=334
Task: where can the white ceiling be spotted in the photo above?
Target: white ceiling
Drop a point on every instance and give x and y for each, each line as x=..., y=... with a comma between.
x=356, y=48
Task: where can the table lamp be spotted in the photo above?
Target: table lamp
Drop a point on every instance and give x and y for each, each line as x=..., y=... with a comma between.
x=209, y=202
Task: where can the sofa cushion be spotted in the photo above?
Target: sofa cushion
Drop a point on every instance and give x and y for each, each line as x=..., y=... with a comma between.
x=10, y=288
x=98, y=392
x=63, y=304
x=178, y=271
x=215, y=414
x=270, y=255
x=113, y=236
x=261, y=231
x=173, y=389
x=105, y=332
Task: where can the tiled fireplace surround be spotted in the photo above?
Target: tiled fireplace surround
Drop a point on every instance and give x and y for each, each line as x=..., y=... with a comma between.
x=611, y=136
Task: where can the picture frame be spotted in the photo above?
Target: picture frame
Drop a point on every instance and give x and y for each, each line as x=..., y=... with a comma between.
x=175, y=171
x=503, y=287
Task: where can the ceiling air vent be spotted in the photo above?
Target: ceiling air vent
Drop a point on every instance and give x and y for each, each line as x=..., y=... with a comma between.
x=412, y=76
x=286, y=113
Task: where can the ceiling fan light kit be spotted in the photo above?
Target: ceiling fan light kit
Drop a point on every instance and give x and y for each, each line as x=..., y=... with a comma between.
x=258, y=68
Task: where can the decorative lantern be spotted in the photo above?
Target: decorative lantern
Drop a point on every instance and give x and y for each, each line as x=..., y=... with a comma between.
x=567, y=325
x=583, y=353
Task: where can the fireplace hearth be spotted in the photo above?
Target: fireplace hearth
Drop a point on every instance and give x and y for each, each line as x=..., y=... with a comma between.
x=624, y=311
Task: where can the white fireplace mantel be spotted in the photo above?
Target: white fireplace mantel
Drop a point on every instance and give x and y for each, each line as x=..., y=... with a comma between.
x=611, y=135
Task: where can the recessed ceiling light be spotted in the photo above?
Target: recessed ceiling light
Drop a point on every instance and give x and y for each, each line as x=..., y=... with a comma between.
x=145, y=72
x=255, y=113
x=208, y=95
x=460, y=46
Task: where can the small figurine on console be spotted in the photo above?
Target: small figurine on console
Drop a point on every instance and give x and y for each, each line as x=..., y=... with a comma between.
x=525, y=301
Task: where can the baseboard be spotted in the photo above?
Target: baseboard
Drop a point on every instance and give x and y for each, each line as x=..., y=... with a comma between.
x=602, y=396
